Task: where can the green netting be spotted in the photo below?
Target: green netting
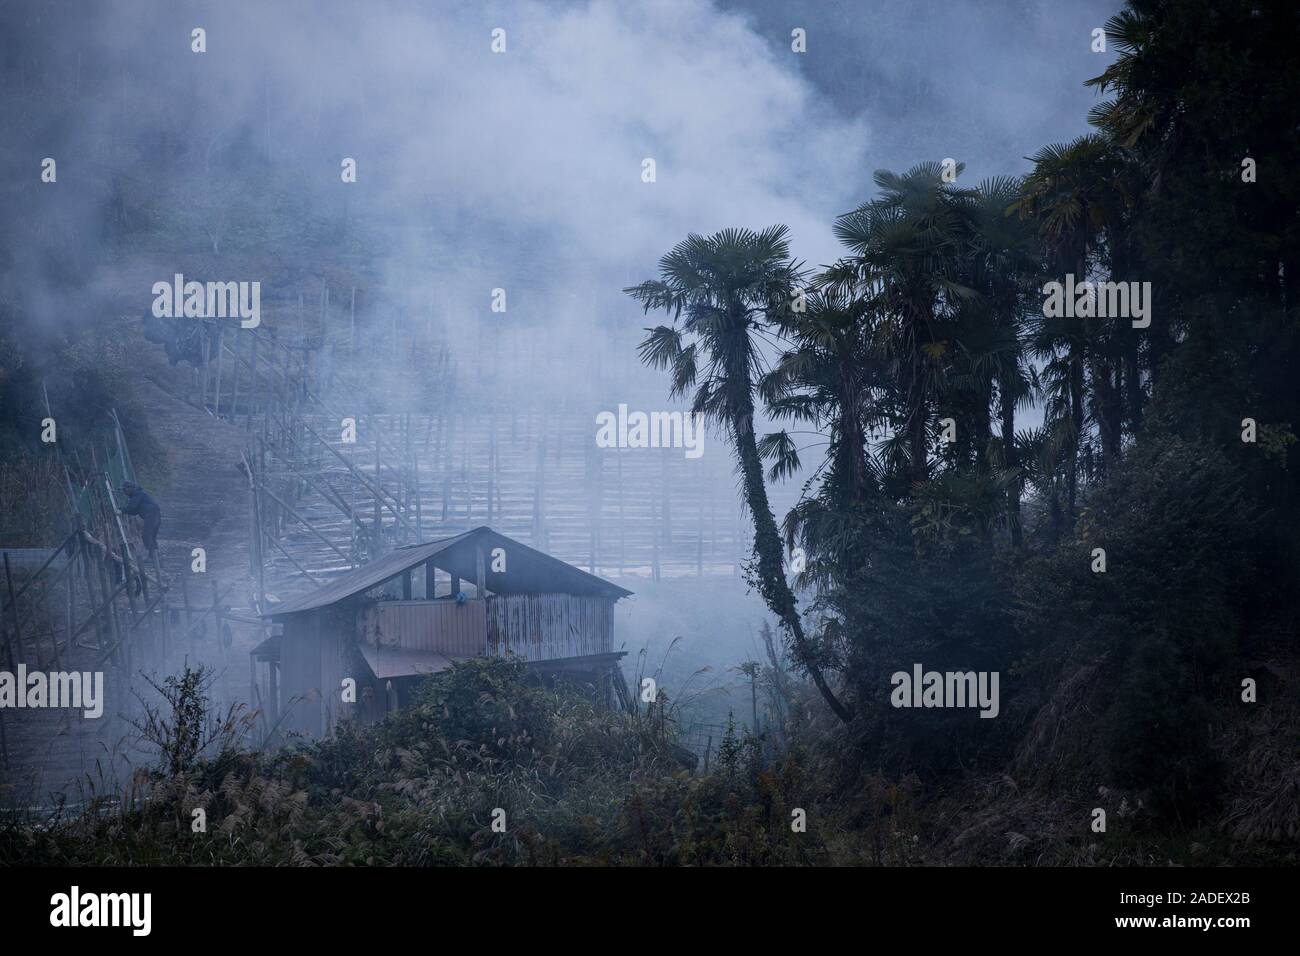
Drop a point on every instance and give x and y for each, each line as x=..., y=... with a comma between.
x=118, y=469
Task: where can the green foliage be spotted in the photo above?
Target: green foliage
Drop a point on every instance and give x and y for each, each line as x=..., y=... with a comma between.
x=578, y=784
x=1181, y=545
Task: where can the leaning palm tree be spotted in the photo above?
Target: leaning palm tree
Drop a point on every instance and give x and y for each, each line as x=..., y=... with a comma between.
x=724, y=290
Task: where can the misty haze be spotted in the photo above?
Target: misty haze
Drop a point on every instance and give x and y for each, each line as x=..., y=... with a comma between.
x=689, y=433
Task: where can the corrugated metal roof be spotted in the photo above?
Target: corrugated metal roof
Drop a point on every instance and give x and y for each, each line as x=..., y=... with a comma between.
x=267, y=650
x=388, y=662
x=528, y=571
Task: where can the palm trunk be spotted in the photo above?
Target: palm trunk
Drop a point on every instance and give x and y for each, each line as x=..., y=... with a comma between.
x=1076, y=432
x=767, y=549
x=1007, y=413
x=1107, y=385
x=852, y=439
x=1133, y=383
x=917, y=450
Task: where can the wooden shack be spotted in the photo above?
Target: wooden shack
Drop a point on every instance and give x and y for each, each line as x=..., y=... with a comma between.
x=418, y=609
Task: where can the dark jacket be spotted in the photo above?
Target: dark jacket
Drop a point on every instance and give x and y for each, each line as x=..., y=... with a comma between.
x=141, y=504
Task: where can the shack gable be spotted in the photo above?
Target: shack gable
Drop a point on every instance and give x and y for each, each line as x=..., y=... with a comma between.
x=507, y=567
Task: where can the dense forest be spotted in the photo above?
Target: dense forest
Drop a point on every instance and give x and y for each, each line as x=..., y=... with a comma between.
x=1091, y=492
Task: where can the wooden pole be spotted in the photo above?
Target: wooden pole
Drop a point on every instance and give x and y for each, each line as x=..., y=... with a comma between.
x=303, y=521
x=216, y=398
x=92, y=595
x=185, y=596
x=165, y=632
x=257, y=536
x=419, y=498
x=41, y=570
x=252, y=382
x=72, y=592
x=380, y=494
x=203, y=376
x=125, y=563
x=4, y=742
x=217, y=636
x=373, y=422
x=307, y=574
x=234, y=390
x=17, y=639
x=110, y=603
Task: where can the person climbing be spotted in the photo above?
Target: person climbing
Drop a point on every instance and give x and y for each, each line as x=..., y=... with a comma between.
x=140, y=502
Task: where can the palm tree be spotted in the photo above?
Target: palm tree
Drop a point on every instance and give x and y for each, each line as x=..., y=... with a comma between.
x=1004, y=268
x=1070, y=194
x=828, y=378
x=724, y=289
x=906, y=247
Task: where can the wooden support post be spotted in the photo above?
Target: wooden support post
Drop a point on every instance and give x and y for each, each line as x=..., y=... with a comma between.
x=32, y=580
x=370, y=486
x=654, y=539
x=189, y=615
x=216, y=397
x=430, y=580
x=268, y=393
x=207, y=361
x=373, y=422
x=110, y=602
x=217, y=621
x=234, y=389
x=480, y=575
x=622, y=519
x=92, y=595
x=539, y=493
x=73, y=548
x=491, y=466
x=165, y=632
x=286, y=406
x=17, y=639
x=419, y=497
x=126, y=576
x=699, y=528
x=303, y=521
x=273, y=690
x=446, y=430
x=305, y=573
x=252, y=381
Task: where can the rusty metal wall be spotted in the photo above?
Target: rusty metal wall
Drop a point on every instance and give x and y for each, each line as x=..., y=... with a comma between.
x=457, y=630
x=539, y=627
